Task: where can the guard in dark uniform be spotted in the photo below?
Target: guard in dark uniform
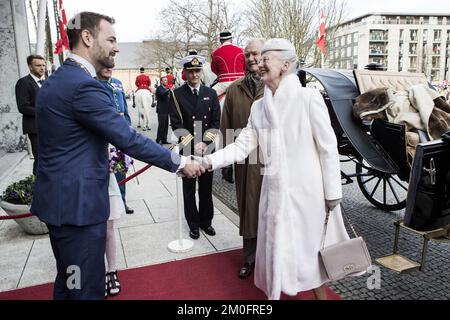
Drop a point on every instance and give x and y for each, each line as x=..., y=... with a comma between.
x=195, y=120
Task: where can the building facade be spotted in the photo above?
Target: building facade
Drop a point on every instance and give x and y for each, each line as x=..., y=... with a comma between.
x=14, y=49
x=400, y=42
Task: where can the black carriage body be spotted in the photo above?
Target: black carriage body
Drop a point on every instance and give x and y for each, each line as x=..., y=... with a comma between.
x=428, y=203
x=379, y=151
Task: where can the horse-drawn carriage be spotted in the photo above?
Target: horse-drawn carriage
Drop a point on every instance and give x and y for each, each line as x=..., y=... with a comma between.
x=378, y=150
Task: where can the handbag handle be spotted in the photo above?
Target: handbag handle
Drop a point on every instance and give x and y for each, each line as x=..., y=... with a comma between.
x=344, y=214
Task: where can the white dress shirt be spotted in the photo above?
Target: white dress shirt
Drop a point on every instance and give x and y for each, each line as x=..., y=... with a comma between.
x=36, y=79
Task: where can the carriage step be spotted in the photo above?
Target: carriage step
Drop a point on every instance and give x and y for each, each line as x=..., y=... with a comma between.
x=398, y=263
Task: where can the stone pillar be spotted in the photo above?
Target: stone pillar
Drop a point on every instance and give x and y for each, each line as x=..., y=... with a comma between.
x=14, y=49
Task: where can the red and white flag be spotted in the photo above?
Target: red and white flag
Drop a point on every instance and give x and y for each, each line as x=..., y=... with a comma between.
x=321, y=40
x=63, y=42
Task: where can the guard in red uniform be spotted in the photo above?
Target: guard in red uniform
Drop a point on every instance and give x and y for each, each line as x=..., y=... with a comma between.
x=228, y=63
x=170, y=78
x=143, y=81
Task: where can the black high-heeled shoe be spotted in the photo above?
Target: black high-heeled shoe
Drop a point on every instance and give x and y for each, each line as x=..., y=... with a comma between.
x=112, y=284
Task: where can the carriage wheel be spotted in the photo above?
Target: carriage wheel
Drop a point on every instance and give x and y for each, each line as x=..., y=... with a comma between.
x=385, y=191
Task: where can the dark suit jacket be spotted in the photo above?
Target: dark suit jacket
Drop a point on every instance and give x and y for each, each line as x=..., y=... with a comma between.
x=75, y=120
x=197, y=116
x=26, y=91
x=163, y=100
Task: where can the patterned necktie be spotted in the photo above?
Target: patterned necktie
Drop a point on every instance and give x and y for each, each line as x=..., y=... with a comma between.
x=195, y=92
x=41, y=82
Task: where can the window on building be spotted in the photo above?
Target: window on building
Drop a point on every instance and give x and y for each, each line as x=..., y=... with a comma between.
x=398, y=20
x=400, y=64
x=433, y=20
x=413, y=62
x=413, y=48
x=436, y=48
x=342, y=43
x=349, y=51
x=349, y=39
x=409, y=20
x=355, y=37
x=421, y=20
x=436, y=62
x=448, y=36
x=437, y=35
x=401, y=34
x=435, y=74
x=413, y=35
x=343, y=53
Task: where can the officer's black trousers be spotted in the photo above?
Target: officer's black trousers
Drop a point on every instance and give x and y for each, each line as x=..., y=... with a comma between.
x=204, y=215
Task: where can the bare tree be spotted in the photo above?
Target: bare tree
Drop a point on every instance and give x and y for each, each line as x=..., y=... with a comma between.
x=189, y=24
x=295, y=20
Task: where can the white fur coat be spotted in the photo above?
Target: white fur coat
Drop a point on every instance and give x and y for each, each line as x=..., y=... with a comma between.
x=302, y=169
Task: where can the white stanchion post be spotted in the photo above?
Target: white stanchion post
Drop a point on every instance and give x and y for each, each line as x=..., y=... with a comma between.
x=181, y=245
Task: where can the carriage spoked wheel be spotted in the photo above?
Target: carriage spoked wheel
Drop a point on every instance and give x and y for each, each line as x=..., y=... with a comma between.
x=385, y=191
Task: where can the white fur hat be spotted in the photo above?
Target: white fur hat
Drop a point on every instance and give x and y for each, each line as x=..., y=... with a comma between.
x=278, y=44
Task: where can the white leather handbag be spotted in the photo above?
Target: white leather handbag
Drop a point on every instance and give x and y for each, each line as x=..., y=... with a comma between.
x=345, y=258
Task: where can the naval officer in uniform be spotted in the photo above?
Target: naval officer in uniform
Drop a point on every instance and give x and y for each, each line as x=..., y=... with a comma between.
x=195, y=120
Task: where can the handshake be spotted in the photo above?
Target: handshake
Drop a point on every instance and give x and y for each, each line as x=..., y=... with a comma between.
x=195, y=166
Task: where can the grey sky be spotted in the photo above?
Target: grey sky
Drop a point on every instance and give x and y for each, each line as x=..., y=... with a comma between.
x=137, y=20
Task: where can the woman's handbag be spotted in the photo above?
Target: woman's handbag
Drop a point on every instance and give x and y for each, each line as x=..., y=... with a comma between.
x=345, y=258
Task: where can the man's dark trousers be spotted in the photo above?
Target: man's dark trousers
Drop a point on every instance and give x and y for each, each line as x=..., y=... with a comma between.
x=163, y=127
x=34, y=150
x=205, y=213
x=80, y=257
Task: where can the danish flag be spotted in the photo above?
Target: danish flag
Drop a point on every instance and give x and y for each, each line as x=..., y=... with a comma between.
x=321, y=40
x=63, y=42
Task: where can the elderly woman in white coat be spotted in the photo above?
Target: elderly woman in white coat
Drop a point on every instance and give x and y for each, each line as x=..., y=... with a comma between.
x=302, y=180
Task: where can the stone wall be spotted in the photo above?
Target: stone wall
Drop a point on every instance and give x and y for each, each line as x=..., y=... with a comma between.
x=14, y=49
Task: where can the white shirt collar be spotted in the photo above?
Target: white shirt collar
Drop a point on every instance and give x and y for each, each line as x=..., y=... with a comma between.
x=36, y=79
x=196, y=87
x=85, y=63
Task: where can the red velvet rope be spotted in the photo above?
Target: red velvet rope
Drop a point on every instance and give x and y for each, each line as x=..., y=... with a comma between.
x=134, y=175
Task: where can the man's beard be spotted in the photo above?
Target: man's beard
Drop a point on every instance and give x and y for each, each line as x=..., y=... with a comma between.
x=102, y=58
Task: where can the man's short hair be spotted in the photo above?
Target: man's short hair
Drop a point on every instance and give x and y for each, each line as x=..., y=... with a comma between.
x=161, y=79
x=141, y=69
x=84, y=21
x=32, y=57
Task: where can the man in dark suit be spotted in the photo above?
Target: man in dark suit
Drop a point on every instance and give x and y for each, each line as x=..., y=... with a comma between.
x=195, y=119
x=162, y=109
x=76, y=119
x=26, y=91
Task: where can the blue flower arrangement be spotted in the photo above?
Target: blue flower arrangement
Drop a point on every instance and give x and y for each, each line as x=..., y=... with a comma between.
x=119, y=161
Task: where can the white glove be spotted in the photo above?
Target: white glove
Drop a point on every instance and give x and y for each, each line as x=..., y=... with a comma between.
x=331, y=204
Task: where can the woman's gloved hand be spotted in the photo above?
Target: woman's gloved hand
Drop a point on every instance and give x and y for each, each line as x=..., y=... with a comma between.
x=331, y=204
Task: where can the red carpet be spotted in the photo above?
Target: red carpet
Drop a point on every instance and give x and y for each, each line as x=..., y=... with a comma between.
x=212, y=277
